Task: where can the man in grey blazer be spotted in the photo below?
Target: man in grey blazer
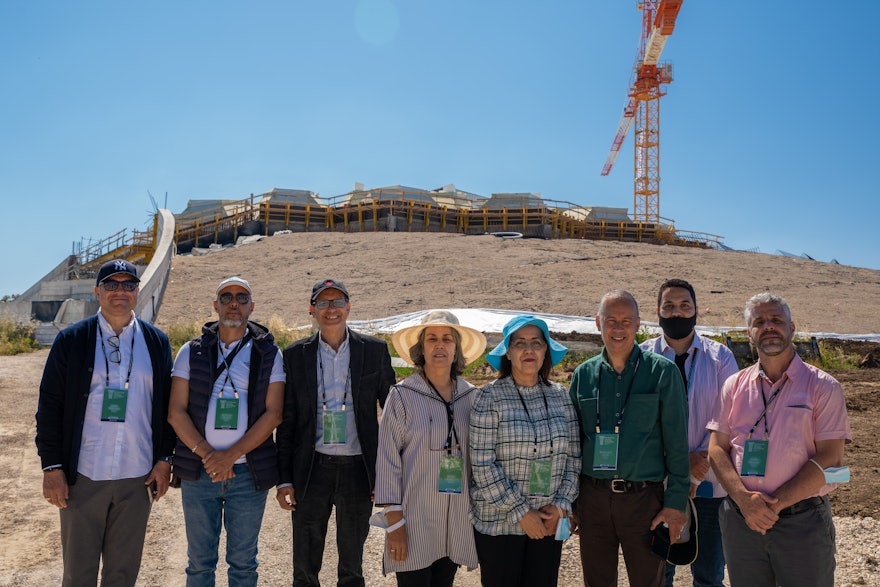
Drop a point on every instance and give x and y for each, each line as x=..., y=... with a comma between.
x=328, y=439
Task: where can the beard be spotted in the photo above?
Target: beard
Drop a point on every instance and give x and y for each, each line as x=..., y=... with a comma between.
x=232, y=323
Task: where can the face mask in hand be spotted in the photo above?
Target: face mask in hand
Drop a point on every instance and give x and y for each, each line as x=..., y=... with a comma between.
x=678, y=327
x=563, y=528
x=836, y=474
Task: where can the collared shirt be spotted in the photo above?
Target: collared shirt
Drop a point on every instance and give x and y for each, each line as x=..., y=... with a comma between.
x=119, y=450
x=708, y=365
x=653, y=432
x=334, y=387
x=811, y=407
x=504, y=425
x=235, y=378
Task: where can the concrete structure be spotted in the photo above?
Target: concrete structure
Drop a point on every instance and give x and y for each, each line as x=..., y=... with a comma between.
x=59, y=299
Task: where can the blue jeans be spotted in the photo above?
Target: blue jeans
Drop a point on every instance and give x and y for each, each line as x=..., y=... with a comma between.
x=341, y=482
x=236, y=504
x=708, y=569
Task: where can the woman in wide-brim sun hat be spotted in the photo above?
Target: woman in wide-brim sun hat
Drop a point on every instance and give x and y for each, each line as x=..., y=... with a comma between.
x=525, y=457
x=422, y=469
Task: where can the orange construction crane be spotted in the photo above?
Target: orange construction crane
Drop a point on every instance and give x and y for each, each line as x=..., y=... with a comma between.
x=643, y=104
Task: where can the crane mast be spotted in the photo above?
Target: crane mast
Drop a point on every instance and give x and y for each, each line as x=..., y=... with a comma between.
x=643, y=108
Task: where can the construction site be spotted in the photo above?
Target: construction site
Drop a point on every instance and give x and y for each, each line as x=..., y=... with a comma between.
x=65, y=295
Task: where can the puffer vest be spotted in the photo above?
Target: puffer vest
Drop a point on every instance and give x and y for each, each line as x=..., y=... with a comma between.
x=262, y=461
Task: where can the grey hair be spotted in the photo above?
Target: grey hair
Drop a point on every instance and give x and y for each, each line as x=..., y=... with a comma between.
x=615, y=295
x=765, y=298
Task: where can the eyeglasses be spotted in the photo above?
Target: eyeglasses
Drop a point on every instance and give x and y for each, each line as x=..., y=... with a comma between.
x=112, y=285
x=533, y=345
x=241, y=298
x=324, y=304
x=113, y=341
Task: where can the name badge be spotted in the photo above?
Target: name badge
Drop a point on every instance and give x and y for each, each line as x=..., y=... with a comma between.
x=605, y=451
x=539, y=478
x=226, y=417
x=334, y=427
x=451, y=472
x=113, y=407
x=754, y=463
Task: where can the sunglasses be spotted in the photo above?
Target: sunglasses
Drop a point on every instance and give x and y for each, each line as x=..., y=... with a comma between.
x=113, y=341
x=241, y=298
x=128, y=286
x=324, y=304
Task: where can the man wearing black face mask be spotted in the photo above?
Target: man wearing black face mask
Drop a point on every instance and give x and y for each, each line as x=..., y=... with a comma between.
x=704, y=366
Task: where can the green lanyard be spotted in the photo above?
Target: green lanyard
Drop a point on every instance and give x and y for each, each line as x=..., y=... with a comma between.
x=625, y=399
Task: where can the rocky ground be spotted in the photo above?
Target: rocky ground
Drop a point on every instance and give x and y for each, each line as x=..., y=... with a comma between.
x=394, y=273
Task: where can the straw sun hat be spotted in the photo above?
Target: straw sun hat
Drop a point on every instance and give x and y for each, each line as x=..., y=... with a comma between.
x=473, y=343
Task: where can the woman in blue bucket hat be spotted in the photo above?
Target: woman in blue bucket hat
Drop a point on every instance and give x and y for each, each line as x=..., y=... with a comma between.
x=525, y=459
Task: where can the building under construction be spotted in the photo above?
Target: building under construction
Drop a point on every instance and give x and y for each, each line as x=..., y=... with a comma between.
x=407, y=209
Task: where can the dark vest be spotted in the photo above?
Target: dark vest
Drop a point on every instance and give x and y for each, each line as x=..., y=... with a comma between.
x=262, y=461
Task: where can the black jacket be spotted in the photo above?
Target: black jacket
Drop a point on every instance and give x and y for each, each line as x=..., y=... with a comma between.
x=371, y=378
x=262, y=461
x=64, y=393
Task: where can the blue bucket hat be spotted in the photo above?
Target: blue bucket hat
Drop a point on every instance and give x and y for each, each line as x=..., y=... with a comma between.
x=557, y=351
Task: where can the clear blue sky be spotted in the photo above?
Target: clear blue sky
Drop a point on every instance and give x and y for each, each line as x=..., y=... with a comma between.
x=769, y=131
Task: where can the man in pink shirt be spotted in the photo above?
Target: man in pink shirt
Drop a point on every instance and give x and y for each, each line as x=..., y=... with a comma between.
x=781, y=426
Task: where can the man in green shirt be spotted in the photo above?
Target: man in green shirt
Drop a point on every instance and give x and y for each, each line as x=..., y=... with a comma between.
x=633, y=413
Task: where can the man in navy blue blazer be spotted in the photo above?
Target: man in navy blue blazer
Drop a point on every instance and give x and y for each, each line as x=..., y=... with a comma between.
x=102, y=432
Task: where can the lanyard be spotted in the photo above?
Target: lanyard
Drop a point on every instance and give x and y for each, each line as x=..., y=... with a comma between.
x=764, y=412
x=451, y=434
x=625, y=399
x=689, y=380
x=345, y=386
x=532, y=422
x=107, y=363
x=226, y=361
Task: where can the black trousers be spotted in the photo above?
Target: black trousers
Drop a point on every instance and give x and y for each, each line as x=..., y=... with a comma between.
x=341, y=482
x=441, y=573
x=511, y=560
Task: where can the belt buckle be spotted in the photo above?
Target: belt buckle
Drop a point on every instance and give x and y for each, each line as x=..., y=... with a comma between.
x=618, y=486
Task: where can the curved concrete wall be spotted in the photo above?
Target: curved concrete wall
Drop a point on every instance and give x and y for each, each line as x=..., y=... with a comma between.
x=155, y=276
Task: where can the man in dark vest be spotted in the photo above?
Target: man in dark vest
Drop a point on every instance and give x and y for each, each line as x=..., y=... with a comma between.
x=103, y=433
x=336, y=379
x=227, y=397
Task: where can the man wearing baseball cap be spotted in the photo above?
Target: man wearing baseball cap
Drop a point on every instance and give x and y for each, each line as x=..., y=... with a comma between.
x=227, y=396
x=328, y=440
x=102, y=432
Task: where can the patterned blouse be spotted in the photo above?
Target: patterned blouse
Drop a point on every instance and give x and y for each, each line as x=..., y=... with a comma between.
x=510, y=428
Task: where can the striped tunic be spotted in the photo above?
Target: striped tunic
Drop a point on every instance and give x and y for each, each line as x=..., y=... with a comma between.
x=413, y=428
x=504, y=424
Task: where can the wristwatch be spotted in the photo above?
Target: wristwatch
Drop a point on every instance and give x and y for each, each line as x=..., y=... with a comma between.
x=168, y=460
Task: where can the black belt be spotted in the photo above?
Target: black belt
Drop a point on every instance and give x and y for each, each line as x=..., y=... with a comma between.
x=621, y=485
x=338, y=459
x=801, y=506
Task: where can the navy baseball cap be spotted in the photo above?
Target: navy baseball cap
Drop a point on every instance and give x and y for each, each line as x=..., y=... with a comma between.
x=328, y=284
x=115, y=267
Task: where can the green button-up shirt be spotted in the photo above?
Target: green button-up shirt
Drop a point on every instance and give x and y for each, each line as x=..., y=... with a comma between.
x=650, y=400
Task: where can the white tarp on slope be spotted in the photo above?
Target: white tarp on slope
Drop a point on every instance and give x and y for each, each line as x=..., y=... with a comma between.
x=488, y=320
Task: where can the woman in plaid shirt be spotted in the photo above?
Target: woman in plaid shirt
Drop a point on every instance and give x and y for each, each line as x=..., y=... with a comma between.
x=525, y=458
